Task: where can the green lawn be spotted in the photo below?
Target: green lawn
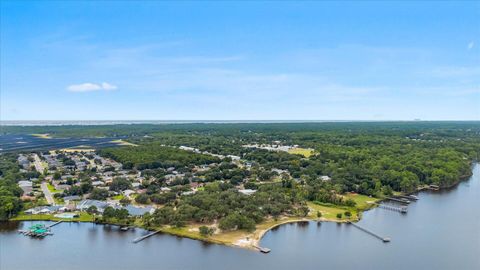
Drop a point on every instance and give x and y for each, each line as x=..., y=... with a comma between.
x=118, y=197
x=330, y=211
x=301, y=151
x=84, y=217
x=363, y=202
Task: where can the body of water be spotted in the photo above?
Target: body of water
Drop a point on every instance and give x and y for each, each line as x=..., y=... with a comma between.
x=441, y=231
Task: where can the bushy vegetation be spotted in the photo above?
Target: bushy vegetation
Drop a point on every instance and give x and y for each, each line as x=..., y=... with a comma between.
x=154, y=155
x=10, y=203
x=232, y=209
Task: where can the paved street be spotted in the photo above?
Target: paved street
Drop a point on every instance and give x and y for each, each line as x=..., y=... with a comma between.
x=48, y=194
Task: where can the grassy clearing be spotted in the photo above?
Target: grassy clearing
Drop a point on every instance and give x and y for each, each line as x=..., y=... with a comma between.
x=43, y=136
x=363, y=202
x=123, y=143
x=330, y=211
x=306, y=152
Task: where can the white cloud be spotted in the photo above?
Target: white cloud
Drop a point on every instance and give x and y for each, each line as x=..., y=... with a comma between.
x=471, y=45
x=89, y=87
x=107, y=86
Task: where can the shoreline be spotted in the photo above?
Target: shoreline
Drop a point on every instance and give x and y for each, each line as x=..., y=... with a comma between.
x=237, y=238
x=243, y=239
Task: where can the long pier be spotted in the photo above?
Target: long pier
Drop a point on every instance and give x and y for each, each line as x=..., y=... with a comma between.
x=141, y=238
x=402, y=209
x=384, y=239
x=54, y=224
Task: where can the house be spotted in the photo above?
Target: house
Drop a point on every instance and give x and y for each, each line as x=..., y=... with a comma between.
x=72, y=198
x=187, y=148
x=128, y=192
x=279, y=171
x=136, y=185
x=23, y=161
x=85, y=204
x=97, y=183
x=43, y=210
x=234, y=158
x=247, y=191
x=325, y=178
x=63, y=187
x=139, y=211
x=195, y=185
x=26, y=186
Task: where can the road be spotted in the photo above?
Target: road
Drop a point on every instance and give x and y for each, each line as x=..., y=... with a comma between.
x=48, y=194
x=38, y=164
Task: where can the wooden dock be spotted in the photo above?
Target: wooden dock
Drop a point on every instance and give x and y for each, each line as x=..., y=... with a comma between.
x=141, y=238
x=409, y=197
x=404, y=201
x=54, y=224
x=384, y=239
x=402, y=209
x=263, y=249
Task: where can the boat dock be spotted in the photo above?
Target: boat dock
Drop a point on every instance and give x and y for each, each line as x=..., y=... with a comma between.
x=401, y=209
x=402, y=200
x=263, y=249
x=409, y=197
x=141, y=238
x=384, y=239
x=54, y=224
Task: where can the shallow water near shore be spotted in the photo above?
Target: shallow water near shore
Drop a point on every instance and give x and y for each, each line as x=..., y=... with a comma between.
x=440, y=231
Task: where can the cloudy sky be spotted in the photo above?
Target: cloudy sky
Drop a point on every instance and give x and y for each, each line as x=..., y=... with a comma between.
x=238, y=61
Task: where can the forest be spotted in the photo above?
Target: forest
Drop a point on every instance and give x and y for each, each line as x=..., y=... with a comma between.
x=373, y=159
x=10, y=203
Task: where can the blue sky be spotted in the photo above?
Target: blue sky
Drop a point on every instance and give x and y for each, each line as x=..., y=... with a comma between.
x=236, y=61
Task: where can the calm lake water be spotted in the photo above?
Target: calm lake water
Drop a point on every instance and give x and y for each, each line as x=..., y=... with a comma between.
x=440, y=231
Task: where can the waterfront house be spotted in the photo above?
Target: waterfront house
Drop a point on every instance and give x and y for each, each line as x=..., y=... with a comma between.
x=139, y=211
x=85, y=204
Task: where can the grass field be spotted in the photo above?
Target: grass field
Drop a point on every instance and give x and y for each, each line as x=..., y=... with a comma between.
x=43, y=136
x=84, y=217
x=329, y=211
x=306, y=152
x=363, y=201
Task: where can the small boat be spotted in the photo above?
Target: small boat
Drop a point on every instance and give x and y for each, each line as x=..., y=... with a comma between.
x=125, y=229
